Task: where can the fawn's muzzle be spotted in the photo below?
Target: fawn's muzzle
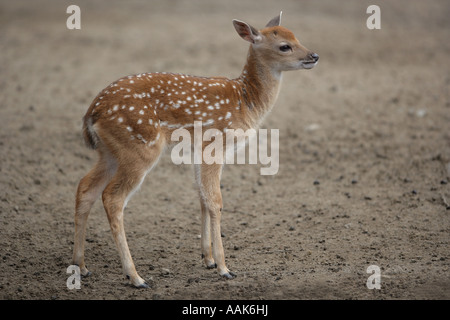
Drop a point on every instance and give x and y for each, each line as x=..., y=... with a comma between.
x=314, y=56
x=310, y=61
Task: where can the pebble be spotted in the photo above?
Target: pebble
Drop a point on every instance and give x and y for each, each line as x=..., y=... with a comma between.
x=312, y=127
x=421, y=113
x=165, y=271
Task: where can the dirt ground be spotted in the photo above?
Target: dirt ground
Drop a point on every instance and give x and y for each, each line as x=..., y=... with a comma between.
x=364, y=176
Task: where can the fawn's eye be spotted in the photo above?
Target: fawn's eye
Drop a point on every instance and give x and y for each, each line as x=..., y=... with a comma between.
x=285, y=48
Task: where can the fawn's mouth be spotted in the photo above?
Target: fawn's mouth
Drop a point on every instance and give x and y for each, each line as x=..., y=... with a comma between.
x=309, y=64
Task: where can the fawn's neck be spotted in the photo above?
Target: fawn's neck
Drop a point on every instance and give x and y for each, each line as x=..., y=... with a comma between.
x=260, y=86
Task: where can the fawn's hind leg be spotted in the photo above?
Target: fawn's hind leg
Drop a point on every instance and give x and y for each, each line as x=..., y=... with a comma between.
x=89, y=189
x=129, y=176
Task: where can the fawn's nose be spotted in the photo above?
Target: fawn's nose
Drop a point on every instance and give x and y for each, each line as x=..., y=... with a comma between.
x=314, y=56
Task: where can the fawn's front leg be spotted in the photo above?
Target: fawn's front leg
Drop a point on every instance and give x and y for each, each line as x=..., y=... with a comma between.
x=206, y=237
x=206, y=224
x=208, y=179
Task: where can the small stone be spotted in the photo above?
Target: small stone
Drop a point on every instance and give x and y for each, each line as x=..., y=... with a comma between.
x=312, y=127
x=165, y=271
x=421, y=113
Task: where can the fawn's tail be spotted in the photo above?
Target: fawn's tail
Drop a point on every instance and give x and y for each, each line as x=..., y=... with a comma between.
x=91, y=138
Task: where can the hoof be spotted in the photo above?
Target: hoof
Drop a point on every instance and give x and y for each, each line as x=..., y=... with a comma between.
x=143, y=286
x=87, y=274
x=229, y=275
x=84, y=272
x=211, y=266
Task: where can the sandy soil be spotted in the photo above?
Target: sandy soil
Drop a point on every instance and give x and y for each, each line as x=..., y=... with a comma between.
x=364, y=173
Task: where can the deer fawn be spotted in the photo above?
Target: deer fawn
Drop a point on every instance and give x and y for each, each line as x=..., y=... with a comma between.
x=130, y=122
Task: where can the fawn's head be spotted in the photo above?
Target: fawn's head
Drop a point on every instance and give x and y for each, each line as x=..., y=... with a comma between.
x=277, y=46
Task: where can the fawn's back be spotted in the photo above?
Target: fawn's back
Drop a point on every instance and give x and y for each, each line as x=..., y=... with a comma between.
x=146, y=108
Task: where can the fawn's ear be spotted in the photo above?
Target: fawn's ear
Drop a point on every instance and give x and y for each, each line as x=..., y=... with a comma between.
x=246, y=31
x=275, y=21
